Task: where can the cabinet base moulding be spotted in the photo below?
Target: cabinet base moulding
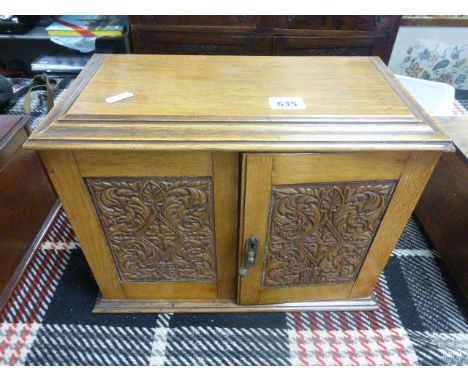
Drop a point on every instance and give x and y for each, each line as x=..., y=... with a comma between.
x=228, y=306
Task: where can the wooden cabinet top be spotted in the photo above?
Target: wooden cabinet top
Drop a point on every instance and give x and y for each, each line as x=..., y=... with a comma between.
x=228, y=103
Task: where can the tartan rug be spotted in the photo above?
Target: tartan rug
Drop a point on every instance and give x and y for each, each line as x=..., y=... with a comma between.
x=48, y=319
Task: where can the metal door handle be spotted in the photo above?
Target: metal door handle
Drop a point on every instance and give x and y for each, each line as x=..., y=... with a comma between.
x=250, y=256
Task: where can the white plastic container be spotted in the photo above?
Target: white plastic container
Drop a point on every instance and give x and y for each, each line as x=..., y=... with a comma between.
x=436, y=97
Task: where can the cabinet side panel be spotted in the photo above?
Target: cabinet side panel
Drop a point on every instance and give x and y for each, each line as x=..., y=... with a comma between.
x=65, y=176
x=410, y=186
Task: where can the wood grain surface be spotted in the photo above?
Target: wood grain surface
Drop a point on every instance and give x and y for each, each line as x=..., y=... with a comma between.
x=414, y=177
x=27, y=202
x=344, y=174
x=329, y=217
x=222, y=103
x=443, y=211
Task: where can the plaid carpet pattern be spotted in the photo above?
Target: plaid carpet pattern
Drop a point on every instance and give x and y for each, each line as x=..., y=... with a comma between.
x=48, y=319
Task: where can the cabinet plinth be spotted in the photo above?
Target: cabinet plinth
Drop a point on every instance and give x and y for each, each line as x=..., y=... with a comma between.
x=165, y=190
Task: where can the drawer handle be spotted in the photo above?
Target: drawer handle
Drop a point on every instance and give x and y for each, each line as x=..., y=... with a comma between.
x=250, y=256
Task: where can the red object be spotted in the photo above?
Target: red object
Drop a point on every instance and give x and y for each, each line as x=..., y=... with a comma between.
x=80, y=30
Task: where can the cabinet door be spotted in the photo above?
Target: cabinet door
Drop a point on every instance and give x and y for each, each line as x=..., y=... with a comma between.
x=316, y=218
x=153, y=225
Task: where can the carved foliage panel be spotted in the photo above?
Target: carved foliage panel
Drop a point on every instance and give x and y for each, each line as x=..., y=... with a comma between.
x=158, y=228
x=320, y=233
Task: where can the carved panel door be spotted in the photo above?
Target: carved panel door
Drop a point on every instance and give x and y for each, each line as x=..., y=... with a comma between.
x=169, y=221
x=315, y=217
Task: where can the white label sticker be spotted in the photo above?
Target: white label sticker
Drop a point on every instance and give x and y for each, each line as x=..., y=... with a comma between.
x=119, y=97
x=286, y=103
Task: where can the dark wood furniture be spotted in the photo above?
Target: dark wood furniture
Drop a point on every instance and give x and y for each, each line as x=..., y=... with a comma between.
x=205, y=192
x=434, y=21
x=443, y=208
x=266, y=35
x=28, y=202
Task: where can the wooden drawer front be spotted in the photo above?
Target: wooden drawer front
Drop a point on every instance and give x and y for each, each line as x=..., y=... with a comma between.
x=316, y=224
x=157, y=21
x=354, y=23
x=326, y=46
x=199, y=43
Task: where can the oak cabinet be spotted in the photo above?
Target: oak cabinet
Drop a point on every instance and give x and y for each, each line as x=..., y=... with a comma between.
x=238, y=183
